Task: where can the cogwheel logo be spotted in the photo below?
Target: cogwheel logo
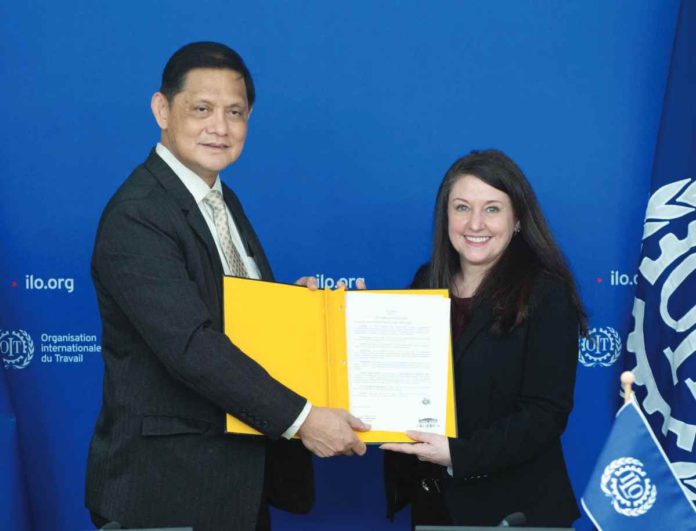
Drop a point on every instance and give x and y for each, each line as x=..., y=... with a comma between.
x=601, y=347
x=16, y=348
x=662, y=343
x=627, y=484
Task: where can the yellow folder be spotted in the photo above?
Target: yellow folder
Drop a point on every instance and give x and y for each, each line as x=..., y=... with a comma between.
x=299, y=337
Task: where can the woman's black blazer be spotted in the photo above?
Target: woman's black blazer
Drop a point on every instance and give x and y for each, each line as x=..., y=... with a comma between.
x=514, y=393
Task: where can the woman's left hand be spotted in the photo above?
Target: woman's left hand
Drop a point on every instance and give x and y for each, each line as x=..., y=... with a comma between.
x=429, y=447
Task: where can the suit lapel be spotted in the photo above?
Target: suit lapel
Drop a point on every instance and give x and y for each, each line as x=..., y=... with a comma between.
x=166, y=176
x=480, y=318
x=184, y=199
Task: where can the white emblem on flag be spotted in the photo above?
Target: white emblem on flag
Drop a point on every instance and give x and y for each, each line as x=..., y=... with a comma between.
x=625, y=481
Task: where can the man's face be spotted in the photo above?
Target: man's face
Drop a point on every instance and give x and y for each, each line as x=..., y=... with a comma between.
x=205, y=125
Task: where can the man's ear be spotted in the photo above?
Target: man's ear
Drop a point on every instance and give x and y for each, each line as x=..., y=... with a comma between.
x=160, y=109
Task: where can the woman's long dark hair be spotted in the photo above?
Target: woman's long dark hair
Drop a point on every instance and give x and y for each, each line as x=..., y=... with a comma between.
x=508, y=284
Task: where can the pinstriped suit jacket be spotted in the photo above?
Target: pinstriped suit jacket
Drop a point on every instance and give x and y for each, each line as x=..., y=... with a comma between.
x=158, y=456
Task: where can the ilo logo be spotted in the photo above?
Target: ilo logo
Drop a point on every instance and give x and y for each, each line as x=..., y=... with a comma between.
x=601, y=347
x=16, y=348
x=625, y=481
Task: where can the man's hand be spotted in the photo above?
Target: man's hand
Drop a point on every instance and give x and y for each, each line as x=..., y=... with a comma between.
x=328, y=431
x=429, y=447
x=313, y=284
x=310, y=282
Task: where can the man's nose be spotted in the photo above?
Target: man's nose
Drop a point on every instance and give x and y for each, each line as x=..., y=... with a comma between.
x=218, y=123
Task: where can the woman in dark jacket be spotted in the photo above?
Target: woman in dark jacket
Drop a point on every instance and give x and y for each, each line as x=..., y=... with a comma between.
x=516, y=317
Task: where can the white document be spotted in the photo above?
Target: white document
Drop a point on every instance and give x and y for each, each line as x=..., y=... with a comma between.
x=398, y=359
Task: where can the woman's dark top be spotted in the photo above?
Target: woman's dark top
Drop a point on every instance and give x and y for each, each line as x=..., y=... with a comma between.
x=460, y=314
x=514, y=393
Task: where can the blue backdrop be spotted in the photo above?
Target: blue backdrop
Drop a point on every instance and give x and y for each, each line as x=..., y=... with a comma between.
x=361, y=108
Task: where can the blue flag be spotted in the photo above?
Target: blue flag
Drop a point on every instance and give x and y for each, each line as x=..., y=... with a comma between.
x=661, y=347
x=633, y=485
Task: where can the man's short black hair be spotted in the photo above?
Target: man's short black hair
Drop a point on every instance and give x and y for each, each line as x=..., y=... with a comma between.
x=203, y=55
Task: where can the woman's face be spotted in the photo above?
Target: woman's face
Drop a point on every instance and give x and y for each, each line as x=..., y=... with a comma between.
x=481, y=222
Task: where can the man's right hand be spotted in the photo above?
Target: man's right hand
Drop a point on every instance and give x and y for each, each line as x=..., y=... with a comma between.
x=328, y=431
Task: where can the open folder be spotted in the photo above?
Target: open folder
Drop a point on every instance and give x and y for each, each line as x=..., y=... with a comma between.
x=383, y=355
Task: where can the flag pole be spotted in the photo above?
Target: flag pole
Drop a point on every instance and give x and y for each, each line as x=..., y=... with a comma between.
x=627, y=380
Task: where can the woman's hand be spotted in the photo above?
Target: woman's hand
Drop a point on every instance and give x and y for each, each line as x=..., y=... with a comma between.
x=429, y=447
x=359, y=284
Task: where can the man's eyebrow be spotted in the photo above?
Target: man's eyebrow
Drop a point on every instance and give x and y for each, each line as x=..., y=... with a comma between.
x=206, y=100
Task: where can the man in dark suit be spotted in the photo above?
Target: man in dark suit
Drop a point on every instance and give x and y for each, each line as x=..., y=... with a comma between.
x=159, y=455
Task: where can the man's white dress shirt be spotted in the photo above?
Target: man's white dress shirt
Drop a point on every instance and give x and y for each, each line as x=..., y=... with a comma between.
x=199, y=189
